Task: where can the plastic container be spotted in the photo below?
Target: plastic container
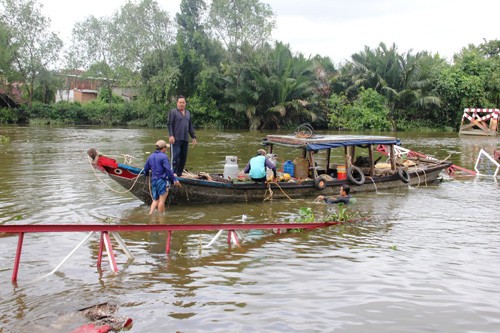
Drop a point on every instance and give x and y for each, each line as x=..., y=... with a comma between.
x=231, y=167
x=273, y=158
x=341, y=172
x=288, y=168
x=301, y=167
x=269, y=174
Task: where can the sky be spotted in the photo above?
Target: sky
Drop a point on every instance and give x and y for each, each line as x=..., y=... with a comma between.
x=340, y=28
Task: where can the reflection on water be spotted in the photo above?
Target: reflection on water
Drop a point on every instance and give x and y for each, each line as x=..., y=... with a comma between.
x=421, y=259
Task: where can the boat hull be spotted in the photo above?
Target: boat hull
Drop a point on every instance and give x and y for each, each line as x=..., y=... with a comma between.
x=199, y=191
x=321, y=172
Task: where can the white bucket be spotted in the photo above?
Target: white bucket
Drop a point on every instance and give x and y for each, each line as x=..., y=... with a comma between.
x=231, y=167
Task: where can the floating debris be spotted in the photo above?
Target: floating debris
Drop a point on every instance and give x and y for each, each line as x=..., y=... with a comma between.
x=104, y=319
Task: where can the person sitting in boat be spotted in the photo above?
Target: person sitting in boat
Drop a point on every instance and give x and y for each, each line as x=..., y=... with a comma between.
x=161, y=176
x=344, y=196
x=256, y=167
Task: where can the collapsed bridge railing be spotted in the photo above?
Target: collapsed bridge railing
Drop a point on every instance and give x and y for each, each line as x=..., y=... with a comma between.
x=404, y=152
x=480, y=121
x=107, y=230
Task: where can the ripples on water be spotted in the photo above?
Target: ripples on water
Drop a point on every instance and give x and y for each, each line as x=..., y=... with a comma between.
x=422, y=260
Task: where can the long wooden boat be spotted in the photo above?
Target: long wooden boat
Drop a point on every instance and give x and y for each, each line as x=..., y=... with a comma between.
x=323, y=163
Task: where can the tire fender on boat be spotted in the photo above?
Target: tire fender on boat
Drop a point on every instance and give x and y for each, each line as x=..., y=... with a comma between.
x=403, y=175
x=319, y=183
x=355, y=175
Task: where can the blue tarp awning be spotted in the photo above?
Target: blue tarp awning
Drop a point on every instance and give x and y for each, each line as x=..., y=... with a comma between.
x=336, y=144
x=328, y=141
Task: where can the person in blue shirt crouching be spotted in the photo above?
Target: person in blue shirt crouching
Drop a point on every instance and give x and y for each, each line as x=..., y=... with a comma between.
x=257, y=167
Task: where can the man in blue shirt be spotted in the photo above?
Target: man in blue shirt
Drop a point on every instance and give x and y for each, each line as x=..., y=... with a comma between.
x=180, y=127
x=257, y=167
x=161, y=176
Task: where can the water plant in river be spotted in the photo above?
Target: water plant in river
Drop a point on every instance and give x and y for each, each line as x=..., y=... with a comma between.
x=4, y=139
x=306, y=215
x=341, y=214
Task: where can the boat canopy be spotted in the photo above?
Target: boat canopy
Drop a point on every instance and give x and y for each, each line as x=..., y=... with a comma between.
x=319, y=142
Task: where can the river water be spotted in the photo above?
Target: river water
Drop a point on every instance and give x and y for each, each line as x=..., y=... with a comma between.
x=422, y=259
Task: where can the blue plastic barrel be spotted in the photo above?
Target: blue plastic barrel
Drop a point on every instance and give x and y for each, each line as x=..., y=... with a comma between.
x=288, y=168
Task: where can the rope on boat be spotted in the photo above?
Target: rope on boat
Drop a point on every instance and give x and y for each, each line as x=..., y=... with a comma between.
x=304, y=131
x=374, y=185
x=128, y=159
x=109, y=187
x=418, y=176
x=151, y=193
x=269, y=197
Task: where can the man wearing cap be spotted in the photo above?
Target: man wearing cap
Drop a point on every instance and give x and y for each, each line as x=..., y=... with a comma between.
x=161, y=176
x=180, y=127
x=257, y=166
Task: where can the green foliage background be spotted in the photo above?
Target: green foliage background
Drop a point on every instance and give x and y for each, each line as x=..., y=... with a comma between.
x=232, y=77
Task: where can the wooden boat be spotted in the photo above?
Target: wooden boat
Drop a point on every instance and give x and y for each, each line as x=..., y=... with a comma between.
x=323, y=163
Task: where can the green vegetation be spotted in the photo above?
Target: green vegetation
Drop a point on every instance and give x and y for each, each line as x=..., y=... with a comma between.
x=341, y=214
x=306, y=215
x=4, y=139
x=219, y=55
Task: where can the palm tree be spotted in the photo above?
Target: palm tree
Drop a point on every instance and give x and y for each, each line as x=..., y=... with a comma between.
x=399, y=77
x=284, y=89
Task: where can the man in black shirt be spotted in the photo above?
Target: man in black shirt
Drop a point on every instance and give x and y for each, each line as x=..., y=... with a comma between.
x=344, y=196
x=180, y=127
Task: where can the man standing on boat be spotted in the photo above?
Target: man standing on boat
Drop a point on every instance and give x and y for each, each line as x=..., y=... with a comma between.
x=257, y=167
x=180, y=127
x=344, y=196
x=161, y=177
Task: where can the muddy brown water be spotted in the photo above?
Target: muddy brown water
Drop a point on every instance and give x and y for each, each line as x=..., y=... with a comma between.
x=421, y=259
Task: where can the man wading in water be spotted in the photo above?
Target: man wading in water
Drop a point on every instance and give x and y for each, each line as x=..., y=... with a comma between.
x=344, y=196
x=161, y=176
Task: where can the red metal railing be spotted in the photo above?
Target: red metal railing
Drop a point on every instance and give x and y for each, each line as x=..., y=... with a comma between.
x=105, y=230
